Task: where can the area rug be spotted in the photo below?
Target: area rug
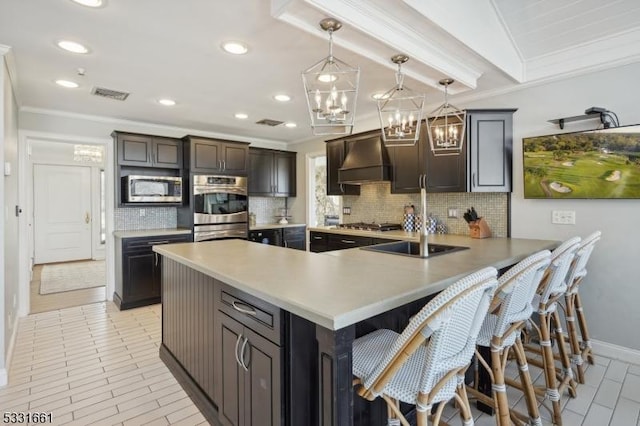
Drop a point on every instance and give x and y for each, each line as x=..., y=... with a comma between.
x=61, y=277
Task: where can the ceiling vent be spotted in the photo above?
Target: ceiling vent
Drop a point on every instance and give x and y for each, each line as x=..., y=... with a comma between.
x=108, y=93
x=269, y=122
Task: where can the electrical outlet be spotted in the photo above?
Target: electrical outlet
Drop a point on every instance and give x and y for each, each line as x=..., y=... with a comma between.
x=452, y=212
x=563, y=217
x=143, y=213
x=346, y=210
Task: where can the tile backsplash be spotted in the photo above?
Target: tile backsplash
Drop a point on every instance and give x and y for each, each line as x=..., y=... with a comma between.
x=266, y=208
x=134, y=218
x=376, y=203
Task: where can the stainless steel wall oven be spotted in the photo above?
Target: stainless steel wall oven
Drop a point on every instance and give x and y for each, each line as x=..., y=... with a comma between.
x=220, y=207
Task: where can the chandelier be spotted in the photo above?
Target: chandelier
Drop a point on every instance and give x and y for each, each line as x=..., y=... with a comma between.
x=446, y=126
x=331, y=88
x=400, y=111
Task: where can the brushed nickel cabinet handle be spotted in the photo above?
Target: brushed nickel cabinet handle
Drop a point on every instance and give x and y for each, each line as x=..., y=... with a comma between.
x=245, y=309
x=242, y=362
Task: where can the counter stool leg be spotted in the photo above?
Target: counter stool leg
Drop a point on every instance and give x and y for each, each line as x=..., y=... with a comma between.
x=587, y=353
x=566, y=376
x=527, y=384
x=498, y=365
x=550, y=368
x=574, y=341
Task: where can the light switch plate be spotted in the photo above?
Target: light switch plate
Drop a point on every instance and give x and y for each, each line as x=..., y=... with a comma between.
x=563, y=217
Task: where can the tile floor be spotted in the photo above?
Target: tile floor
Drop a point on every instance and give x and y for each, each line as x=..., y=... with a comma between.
x=95, y=365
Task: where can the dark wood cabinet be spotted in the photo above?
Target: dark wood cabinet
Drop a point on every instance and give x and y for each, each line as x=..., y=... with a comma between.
x=336, y=152
x=138, y=150
x=272, y=173
x=407, y=167
x=490, y=145
x=249, y=370
x=325, y=241
x=138, y=270
x=213, y=156
x=295, y=237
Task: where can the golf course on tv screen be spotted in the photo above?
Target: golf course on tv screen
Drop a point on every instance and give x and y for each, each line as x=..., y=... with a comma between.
x=594, y=164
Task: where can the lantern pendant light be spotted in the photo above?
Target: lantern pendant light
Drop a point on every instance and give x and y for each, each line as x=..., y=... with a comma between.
x=400, y=110
x=446, y=125
x=331, y=88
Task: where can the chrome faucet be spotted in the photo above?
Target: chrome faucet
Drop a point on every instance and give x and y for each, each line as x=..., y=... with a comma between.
x=424, y=245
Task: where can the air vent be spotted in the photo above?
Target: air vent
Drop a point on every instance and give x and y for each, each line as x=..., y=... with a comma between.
x=269, y=122
x=108, y=93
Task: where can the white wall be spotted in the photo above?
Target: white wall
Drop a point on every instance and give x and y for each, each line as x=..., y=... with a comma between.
x=9, y=288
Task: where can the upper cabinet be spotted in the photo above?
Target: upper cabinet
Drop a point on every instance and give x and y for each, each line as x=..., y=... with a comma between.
x=137, y=150
x=490, y=144
x=272, y=173
x=336, y=152
x=484, y=164
x=213, y=156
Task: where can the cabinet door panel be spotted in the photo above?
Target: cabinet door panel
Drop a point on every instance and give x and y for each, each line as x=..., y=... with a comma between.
x=406, y=162
x=139, y=275
x=205, y=157
x=167, y=153
x=446, y=173
x=285, y=174
x=262, y=381
x=134, y=150
x=260, y=172
x=234, y=158
x=490, y=142
x=230, y=386
x=336, y=151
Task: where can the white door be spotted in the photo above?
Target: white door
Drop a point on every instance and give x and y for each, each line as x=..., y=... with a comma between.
x=62, y=213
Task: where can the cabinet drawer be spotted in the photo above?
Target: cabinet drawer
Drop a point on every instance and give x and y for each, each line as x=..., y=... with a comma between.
x=339, y=242
x=294, y=232
x=258, y=315
x=141, y=243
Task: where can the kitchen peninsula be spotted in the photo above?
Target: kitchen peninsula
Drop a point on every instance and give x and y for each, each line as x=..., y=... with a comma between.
x=259, y=334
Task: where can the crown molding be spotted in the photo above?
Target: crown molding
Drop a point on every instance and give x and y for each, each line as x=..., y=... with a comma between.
x=155, y=126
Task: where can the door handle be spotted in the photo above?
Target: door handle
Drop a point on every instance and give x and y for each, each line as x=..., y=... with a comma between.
x=224, y=165
x=242, y=362
x=236, y=351
x=156, y=254
x=245, y=309
x=87, y=217
x=348, y=241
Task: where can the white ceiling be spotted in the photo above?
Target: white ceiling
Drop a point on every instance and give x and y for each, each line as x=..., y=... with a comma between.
x=167, y=48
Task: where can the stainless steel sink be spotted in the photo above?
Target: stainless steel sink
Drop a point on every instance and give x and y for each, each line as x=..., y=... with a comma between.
x=412, y=249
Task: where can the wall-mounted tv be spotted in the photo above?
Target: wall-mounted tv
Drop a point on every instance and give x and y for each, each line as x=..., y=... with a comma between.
x=603, y=163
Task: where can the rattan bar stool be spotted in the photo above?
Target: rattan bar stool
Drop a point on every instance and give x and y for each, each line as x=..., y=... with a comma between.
x=402, y=367
x=551, y=289
x=509, y=311
x=580, y=348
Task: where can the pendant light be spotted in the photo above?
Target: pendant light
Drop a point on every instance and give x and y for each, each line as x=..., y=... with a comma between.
x=446, y=125
x=400, y=110
x=331, y=88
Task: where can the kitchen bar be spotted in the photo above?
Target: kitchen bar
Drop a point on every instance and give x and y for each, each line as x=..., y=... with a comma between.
x=309, y=307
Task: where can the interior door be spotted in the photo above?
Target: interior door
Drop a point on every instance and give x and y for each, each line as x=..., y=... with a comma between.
x=62, y=213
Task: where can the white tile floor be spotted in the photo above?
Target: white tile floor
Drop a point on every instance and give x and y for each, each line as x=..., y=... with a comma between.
x=95, y=365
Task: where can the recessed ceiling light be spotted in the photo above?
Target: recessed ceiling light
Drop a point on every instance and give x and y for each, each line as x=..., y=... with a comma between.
x=167, y=102
x=282, y=98
x=68, y=84
x=291, y=125
x=327, y=78
x=72, y=46
x=378, y=96
x=235, y=47
x=90, y=3
x=241, y=116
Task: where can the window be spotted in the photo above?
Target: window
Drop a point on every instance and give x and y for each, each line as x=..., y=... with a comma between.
x=324, y=210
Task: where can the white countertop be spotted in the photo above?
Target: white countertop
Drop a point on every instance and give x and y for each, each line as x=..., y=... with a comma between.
x=391, y=235
x=151, y=232
x=261, y=226
x=337, y=289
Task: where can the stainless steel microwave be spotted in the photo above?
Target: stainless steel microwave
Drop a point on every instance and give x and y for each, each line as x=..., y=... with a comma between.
x=152, y=189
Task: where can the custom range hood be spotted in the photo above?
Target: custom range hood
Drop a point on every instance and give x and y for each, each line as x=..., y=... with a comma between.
x=367, y=160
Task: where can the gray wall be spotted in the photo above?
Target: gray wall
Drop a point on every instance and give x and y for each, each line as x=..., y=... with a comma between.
x=9, y=196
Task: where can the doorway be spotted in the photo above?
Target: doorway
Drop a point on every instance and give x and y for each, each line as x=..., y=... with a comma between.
x=68, y=238
x=322, y=209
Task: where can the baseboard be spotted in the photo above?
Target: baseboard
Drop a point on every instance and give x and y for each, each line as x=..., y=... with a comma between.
x=615, y=351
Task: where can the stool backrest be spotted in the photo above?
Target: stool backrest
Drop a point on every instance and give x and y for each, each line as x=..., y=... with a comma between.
x=516, y=289
x=554, y=281
x=451, y=321
x=579, y=268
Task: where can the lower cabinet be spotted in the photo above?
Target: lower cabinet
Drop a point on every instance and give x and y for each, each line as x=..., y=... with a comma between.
x=294, y=237
x=248, y=372
x=138, y=270
x=321, y=241
x=318, y=242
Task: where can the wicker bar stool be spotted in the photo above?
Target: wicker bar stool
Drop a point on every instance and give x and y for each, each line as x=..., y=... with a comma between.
x=580, y=348
x=509, y=311
x=552, y=288
x=401, y=367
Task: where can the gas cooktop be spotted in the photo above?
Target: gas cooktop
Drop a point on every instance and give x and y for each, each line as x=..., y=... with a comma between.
x=371, y=226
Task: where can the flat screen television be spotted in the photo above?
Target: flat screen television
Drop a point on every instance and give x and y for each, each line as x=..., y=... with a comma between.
x=603, y=163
